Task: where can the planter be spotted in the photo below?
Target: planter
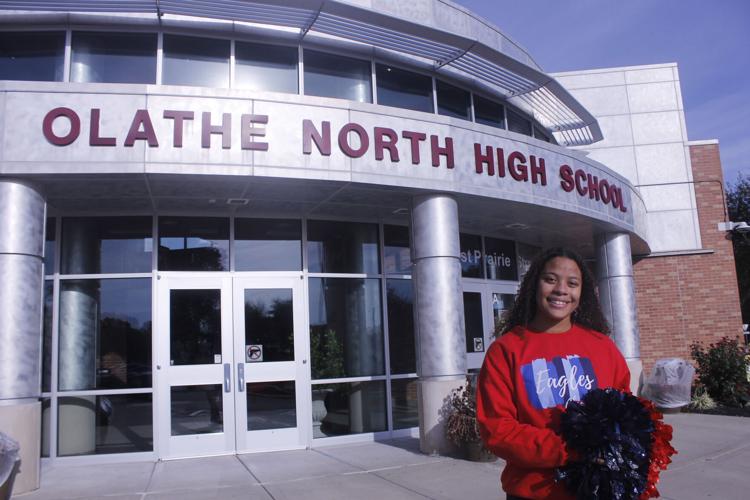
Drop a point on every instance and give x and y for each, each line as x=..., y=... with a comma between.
x=474, y=451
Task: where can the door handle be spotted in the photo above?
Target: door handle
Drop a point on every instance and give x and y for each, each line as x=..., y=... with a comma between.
x=240, y=377
x=227, y=378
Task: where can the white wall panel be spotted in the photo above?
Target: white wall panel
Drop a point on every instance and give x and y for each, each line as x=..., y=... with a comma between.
x=606, y=100
x=671, y=231
x=655, y=128
x=649, y=97
x=659, y=163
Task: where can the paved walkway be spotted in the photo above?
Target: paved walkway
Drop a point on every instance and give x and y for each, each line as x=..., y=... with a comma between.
x=713, y=462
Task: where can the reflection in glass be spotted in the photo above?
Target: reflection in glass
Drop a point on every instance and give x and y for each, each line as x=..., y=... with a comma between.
x=396, y=249
x=197, y=409
x=404, y=89
x=193, y=244
x=267, y=245
x=203, y=62
x=473, y=322
x=400, y=297
x=46, y=426
x=488, y=112
x=518, y=123
x=194, y=327
x=500, y=258
x=349, y=408
x=269, y=322
x=342, y=247
x=92, y=245
x=471, y=256
x=47, y=338
x=32, y=56
x=49, y=247
x=541, y=135
x=501, y=302
x=265, y=67
x=105, y=334
x=404, y=403
x=346, y=330
x=452, y=101
x=105, y=424
x=113, y=57
x=332, y=75
x=526, y=254
x=271, y=405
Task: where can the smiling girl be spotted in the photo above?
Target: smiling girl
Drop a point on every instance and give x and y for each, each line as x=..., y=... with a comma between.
x=554, y=349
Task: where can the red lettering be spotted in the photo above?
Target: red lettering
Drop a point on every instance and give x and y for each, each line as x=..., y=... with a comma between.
x=623, y=208
x=141, y=119
x=381, y=144
x=566, y=178
x=604, y=191
x=73, y=133
x=518, y=172
x=364, y=140
x=580, y=177
x=415, y=138
x=225, y=130
x=179, y=117
x=437, y=151
x=322, y=140
x=480, y=159
x=94, y=138
x=593, y=183
x=500, y=162
x=248, y=132
x=538, y=171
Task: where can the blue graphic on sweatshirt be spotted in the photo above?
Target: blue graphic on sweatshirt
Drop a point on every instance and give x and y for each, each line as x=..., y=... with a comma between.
x=552, y=383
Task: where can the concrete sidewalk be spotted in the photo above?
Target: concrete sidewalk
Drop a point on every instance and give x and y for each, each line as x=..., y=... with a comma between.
x=713, y=462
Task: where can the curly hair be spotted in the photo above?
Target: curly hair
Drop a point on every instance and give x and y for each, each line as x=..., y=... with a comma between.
x=588, y=313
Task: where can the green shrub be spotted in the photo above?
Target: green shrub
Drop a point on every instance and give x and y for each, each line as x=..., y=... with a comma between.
x=722, y=370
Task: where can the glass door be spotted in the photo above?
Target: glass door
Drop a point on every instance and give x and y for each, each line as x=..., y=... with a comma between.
x=270, y=363
x=484, y=306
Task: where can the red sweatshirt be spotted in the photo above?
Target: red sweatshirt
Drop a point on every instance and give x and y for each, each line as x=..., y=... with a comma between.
x=526, y=379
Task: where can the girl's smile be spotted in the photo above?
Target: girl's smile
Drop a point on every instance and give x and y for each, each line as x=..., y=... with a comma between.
x=558, y=294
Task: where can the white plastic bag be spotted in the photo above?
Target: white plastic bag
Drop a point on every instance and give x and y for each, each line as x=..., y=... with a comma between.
x=669, y=384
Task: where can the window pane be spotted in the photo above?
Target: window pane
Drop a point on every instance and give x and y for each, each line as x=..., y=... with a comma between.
x=350, y=408
x=488, y=112
x=46, y=426
x=518, y=123
x=271, y=405
x=203, y=62
x=197, y=409
x=113, y=57
x=526, y=254
x=268, y=245
x=91, y=425
x=452, y=101
x=32, y=56
x=404, y=403
x=193, y=244
x=473, y=322
x=194, y=327
x=471, y=256
x=105, y=334
x=500, y=258
x=92, y=245
x=501, y=302
x=49, y=247
x=265, y=67
x=330, y=75
x=404, y=89
x=346, y=330
x=269, y=323
x=47, y=338
x=541, y=135
x=400, y=297
x=396, y=249
x=342, y=247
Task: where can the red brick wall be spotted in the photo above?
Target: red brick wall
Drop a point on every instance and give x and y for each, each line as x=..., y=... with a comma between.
x=687, y=298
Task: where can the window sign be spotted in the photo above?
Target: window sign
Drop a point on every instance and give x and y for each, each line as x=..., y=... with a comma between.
x=471, y=256
x=500, y=259
x=526, y=254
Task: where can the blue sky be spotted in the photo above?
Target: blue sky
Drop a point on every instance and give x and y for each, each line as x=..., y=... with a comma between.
x=708, y=39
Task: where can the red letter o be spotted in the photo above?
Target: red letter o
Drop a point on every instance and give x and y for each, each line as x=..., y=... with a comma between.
x=75, y=126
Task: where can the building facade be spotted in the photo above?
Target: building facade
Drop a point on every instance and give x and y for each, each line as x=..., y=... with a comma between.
x=279, y=225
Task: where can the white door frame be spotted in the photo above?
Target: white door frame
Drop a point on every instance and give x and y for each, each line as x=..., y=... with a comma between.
x=486, y=289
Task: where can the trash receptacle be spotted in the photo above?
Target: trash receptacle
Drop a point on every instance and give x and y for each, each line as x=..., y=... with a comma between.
x=10, y=462
x=669, y=384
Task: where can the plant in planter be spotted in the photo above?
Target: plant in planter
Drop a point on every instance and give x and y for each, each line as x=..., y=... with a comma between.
x=461, y=423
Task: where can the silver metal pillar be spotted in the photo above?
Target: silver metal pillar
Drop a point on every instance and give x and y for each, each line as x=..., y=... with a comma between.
x=614, y=269
x=22, y=217
x=438, y=312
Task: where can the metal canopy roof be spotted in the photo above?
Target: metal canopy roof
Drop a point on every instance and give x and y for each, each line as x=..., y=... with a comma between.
x=515, y=77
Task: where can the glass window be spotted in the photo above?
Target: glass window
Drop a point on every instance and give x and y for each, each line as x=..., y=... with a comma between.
x=404, y=89
x=396, y=250
x=193, y=244
x=404, y=403
x=92, y=245
x=113, y=57
x=400, y=297
x=196, y=409
x=47, y=338
x=452, y=101
x=105, y=334
x=488, y=112
x=346, y=329
x=269, y=323
x=90, y=425
x=194, y=327
x=46, y=426
x=267, y=245
x=330, y=75
x=32, y=56
x=349, y=408
x=271, y=405
x=265, y=67
x=500, y=259
x=473, y=323
x=471, y=256
x=526, y=254
x=49, y=247
x=202, y=62
x=518, y=123
x=541, y=135
x=342, y=247
x=501, y=302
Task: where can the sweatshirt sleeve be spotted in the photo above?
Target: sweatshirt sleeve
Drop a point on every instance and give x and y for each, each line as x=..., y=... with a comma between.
x=525, y=445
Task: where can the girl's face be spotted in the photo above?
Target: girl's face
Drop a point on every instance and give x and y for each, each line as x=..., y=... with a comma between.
x=557, y=295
